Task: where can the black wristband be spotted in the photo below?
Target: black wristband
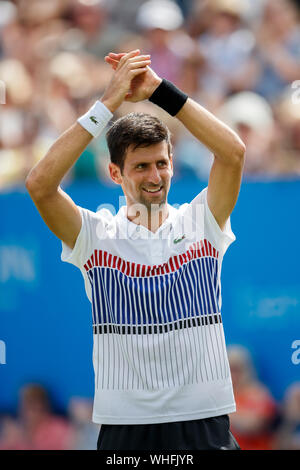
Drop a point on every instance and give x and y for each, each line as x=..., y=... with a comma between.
x=168, y=97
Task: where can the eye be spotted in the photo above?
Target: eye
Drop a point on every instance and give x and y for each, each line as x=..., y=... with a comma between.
x=162, y=163
x=140, y=166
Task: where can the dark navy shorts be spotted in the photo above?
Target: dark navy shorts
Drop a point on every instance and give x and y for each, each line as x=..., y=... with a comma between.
x=200, y=434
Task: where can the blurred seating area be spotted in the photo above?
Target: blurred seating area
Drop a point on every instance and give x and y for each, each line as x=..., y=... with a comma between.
x=38, y=427
x=239, y=58
x=260, y=423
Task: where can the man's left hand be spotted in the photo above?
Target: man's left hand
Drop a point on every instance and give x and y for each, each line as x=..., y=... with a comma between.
x=142, y=86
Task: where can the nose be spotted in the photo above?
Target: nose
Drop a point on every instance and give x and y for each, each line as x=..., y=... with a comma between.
x=154, y=176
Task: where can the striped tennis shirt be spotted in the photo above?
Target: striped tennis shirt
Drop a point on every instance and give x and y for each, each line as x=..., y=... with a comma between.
x=159, y=351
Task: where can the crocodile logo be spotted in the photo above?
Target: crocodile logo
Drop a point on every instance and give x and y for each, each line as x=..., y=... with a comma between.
x=94, y=120
x=177, y=240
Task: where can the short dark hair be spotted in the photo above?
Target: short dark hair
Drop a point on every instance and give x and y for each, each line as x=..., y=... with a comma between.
x=137, y=130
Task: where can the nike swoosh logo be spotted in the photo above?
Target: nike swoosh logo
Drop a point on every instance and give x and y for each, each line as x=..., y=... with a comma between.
x=177, y=240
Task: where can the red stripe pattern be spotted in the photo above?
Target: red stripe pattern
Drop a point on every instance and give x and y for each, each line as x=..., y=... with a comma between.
x=100, y=258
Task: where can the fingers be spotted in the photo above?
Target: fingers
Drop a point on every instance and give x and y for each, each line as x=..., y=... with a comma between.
x=131, y=60
x=116, y=56
x=139, y=71
x=112, y=62
x=139, y=64
x=124, y=56
x=109, y=60
x=140, y=60
x=129, y=55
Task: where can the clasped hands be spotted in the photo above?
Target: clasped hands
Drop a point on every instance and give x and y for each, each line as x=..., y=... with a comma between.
x=133, y=79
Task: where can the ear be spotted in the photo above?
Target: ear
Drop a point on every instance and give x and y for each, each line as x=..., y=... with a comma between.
x=115, y=173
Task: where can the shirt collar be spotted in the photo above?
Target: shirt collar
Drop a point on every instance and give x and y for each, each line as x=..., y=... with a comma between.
x=135, y=231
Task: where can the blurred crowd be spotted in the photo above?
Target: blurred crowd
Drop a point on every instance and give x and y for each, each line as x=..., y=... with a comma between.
x=38, y=427
x=260, y=423
x=238, y=58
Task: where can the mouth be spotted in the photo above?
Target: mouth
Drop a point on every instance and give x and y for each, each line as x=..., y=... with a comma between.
x=154, y=191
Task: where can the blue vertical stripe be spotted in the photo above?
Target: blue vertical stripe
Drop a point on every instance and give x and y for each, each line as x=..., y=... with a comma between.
x=192, y=290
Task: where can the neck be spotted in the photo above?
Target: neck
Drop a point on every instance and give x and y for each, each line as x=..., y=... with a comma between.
x=150, y=218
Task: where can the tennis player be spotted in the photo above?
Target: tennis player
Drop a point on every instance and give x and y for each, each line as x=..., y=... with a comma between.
x=152, y=271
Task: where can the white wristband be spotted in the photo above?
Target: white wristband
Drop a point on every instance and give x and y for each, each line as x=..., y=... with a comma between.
x=96, y=119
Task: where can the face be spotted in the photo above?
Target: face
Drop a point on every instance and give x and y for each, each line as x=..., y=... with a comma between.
x=146, y=175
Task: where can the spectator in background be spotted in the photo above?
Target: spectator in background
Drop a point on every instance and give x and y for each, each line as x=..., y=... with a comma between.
x=8, y=14
x=93, y=30
x=20, y=146
x=123, y=13
x=38, y=428
x=252, y=422
x=11, y=435
x=227, y=47
x=278, y=48
x=160, y=20
x=287, y=113
x=271, y=133
x=36, y=33
x=85, y=433
x=288, y=432
x=252, y=117
x=42, y=428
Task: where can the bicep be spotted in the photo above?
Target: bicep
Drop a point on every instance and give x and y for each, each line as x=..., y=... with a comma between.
x=223, y=189
x=61, y=215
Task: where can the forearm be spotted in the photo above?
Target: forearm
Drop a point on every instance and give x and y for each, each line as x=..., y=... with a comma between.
x=222, y=141
x=47, y=174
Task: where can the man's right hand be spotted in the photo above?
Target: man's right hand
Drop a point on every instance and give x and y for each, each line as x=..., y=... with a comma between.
x=143, y=85
x=129, y=67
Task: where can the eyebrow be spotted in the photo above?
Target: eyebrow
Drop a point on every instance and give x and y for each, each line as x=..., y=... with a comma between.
x=162, y=159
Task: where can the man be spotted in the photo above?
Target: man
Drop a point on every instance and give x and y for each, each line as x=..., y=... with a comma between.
x=152, y=272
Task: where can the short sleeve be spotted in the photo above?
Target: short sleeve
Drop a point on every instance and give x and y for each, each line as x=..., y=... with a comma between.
x=221, y=238
x=92, y=227
x=76, y=255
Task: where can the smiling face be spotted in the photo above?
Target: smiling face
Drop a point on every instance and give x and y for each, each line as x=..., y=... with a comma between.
x=146, y=175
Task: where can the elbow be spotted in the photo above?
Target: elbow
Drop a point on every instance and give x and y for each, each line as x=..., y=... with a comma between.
x=31, y=183
x=234, y=155
x=35, y=186
x=239, y=152
x=242, y=151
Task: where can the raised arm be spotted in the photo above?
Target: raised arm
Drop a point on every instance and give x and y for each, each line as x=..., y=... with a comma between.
x=57, y=209
x=228, y=150
x=226, y=146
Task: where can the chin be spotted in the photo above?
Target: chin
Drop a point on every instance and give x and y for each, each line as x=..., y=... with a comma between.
x=154, y=204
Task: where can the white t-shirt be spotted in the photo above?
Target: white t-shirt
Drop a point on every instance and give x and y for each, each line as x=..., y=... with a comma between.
x=159, y=351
